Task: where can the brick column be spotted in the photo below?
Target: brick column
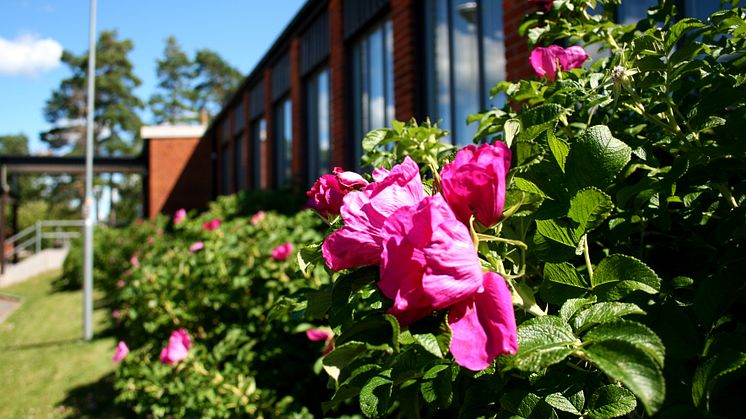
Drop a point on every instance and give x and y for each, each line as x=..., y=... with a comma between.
x=516, y=48
x=404, y=23
x=341, y=150
x=246, y=139
x=296, y=98
x=268, y=148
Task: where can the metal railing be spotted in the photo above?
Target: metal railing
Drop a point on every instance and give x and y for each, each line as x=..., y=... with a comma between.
x=61, y=231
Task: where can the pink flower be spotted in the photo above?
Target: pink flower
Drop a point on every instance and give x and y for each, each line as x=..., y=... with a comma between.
x=359, y=242
x=179, y=216
x=258, y=217
x=475, y=182
x=120, y=352
x=178, y=347
x=322, y=334
x=327, y=192
x=197, y=246
x=115, y=314
x=121, y=283
x=544, y=60
x=282, y=251
x=547, y=3
x=135, y=261
x=211, y=225
x=483, y=325
x=428, y=260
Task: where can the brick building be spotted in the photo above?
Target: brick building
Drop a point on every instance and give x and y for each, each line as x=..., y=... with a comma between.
x=339, y=69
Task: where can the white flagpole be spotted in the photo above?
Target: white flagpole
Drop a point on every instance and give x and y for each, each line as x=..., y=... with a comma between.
x=88, y=204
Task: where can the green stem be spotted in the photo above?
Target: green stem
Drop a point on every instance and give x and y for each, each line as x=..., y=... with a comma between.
x=728, y=195
x=488, y=238
x=586, y=254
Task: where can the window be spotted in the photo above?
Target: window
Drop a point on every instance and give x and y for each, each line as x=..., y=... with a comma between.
x=239, y=162
x=318, y=121
x=225, y=158
x=373, y=83
x=467, y=58
x=258, y=146
x=283, y=127
x=701, y=9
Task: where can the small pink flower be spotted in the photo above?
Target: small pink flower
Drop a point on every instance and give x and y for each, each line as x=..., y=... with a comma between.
x=475, y=182
x=121, y=283
x=328, y=191
x=177, y=349
x=282, y=251
x=547, y=3
x=179, y=216
x=211, y=225
x=197, y=246
x=115, y=314
x=258, y=217
x=120, y=352
x=135, y=261
x=359, y=242
x=322, y=334
x=547, y=61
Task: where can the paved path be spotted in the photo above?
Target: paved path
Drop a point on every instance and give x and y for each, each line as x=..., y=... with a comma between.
x=46, y=260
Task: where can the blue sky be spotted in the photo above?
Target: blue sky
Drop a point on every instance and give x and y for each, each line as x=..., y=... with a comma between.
x=240, y=31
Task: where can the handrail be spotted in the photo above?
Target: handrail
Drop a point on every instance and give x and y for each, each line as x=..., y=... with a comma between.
x=26, y=231
x=35, y=235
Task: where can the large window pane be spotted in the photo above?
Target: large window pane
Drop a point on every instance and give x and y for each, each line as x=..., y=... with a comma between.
x=239, y=162
x=318, y=124
x=283, y=143
x=258, y=141
x=632, y=11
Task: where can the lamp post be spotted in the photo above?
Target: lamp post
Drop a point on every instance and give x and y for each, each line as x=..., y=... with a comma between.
x=88, y=202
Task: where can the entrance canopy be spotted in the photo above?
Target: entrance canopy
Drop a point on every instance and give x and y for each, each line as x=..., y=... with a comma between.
x=55, y=165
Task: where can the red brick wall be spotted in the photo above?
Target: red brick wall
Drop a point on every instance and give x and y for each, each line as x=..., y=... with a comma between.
x=516, y=51
x=403, y=20
x=179, y=174
x=338, y=86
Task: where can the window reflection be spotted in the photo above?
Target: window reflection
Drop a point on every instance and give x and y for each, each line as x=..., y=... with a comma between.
x=258, y=147
x=318, y=125
x=284, y=142
x=239, y=162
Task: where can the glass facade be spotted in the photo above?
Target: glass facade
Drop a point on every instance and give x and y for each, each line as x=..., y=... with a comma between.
x=283, y=126
x=318, y=125
x=372, y=83
x=467, y=57
x=258, y=145
x=239, y=162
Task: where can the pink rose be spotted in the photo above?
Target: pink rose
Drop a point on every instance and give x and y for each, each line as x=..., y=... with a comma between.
x=475, y=182
x=135, y=261
x=359, y=242
x=121, y=283
x=547, y=3
x=545, y=60
x=483, y=325
x=179, y=216
x=282, y=251
x=178, y=347
x=258, y=217
x=322, y=334
x=115, y=314
x=120, y=352
x=197, y=246
x=211, y=225
x=428, y=260
x=327, y=192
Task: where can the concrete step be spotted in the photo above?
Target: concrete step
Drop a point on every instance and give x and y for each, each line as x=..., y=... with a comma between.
x=46, y=260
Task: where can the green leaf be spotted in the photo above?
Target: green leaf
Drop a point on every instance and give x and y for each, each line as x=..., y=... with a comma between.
x=308, y=257
x=373, y=138
x=560, y=402
x=711, y=371
x=610, y=402
x=572, y=306
x=526, y=405
x=528, y=186
x=375, y=396
x=559, y=148
x=632, y=332
x=342, y=356
x=604, y=313
x=374, y=329
x=437, y=389
x=624, y=362
x=679, y=29
x=543, y=341
x=596, y=158
x=429, y=342
x=558, y=232
x=539, y=119
x=589, y=208
x=618, y=275
x=564, y=273
x=512, y=127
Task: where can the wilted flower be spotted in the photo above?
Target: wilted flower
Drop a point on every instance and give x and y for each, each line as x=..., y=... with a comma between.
x=211, y=225
x=358, y=243
x=120, y=352
x=177, y=349
x=545, y=60
x=258, y=217
x=197, y=246
x=179, y=216
x=282, y=251
x=475, y=182
x=322, y=334
x=327, y=192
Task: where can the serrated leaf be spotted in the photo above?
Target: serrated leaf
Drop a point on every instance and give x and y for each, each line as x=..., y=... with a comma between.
x=596, y=158
x=436, y=389
x=528, y=186
x=539, y=119
x=558, y=232
x=603, y=313
x=572, y=306
x=429, y=342
x=526, y=405
x=375, y=396
x=375, y=330
x=564, y=273
x=373, y=138
x=559, y=148
x=560, y=402
x=710, y=371
x=610, y=402
x=679, y=29
x=624, y=362
x=618, y=275
x=341, y=357
x=589, y=208
x=543, y=341
x=632, y=332
x=527, y=154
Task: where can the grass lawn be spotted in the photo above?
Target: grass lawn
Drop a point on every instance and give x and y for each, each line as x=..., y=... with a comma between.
x=46, y=370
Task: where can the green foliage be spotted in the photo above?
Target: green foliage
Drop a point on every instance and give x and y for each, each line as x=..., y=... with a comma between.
x=174, y=104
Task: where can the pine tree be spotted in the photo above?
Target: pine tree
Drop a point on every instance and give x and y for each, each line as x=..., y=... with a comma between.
x=175, y=103
x=216, y=80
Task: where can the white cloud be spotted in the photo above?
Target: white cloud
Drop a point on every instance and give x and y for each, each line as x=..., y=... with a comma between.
x=28, y=55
